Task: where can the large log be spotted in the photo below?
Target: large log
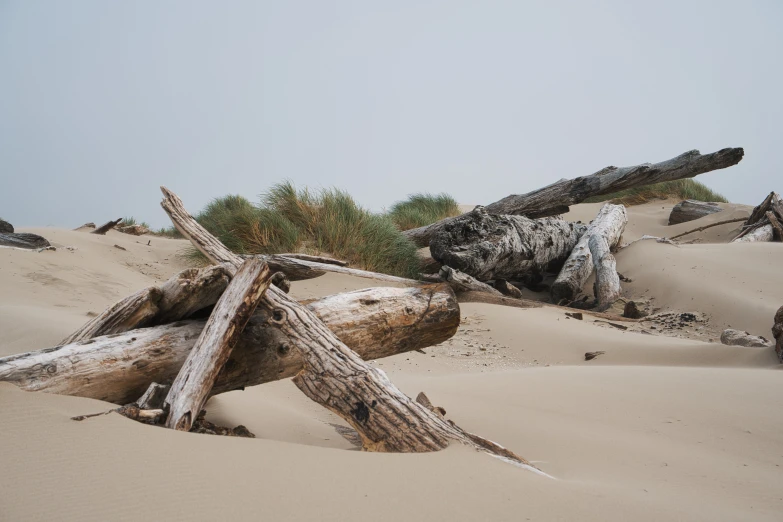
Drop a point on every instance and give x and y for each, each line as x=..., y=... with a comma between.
x=23, y=240
x=759, y=234
x=335, y=377
x=607, y=281
x=178, y=298
x=691, y=209
x=375, y=322
x=488, y=246
x=556, y=198
x=609, y=224
x=195, y=379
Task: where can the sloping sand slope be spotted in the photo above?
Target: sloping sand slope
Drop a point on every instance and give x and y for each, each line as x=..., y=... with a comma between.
x=656, y=429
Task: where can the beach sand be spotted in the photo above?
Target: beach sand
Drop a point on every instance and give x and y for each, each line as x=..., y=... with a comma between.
x=660, y=427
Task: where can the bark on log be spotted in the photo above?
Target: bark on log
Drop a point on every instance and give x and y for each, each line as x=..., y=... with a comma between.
x=760, y=234
x=101, y=230
x=690, y=209
x=609, y=224
x=337, y=378
x=487, y=246
x=607, y=282
x=556, y=198
x=375, y=322
x=777, y=333
x=776, y=225
x=23, y=240
x=194, y=382
x=178, y=298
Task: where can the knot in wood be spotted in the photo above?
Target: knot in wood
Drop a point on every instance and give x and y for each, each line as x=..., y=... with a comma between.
x=283, y=349
x=278, y=315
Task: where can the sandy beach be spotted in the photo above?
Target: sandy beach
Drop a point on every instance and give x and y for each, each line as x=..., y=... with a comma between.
x=668, y=424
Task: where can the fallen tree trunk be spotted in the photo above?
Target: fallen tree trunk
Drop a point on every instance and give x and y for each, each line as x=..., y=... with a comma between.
x=609, y=224
x=335, y=377
x=195, y=379
x=178, y=298
x=375, y=322
x=556, y=198
x=461, y=282
x=23, y=240
x=607, y=282
x=488, y=246
x=691, y=209
x=760, y=234
x=101, y=230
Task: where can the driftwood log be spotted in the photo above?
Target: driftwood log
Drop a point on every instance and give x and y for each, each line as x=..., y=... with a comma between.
x=23, y=240
x=487, y=246
x=777, y=333
x=6, y=227
x=607, y=282
x=764, y=222
x=758, y=234
x=335, y=377
x=178, y=298
x=195, y=380
x=691, y=209
x=556, y=198
x=609, y=224
x=101, y=230
x=118, y=368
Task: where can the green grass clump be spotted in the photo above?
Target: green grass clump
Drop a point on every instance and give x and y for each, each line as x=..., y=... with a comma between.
x=678, y=189
x=169, y=232
x=423, y=209
x=328, y=221
x=130, y=221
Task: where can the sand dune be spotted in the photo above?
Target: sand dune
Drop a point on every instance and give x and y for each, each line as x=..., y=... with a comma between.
x=658, y=428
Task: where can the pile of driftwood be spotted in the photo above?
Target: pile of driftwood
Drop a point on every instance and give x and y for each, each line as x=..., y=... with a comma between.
x=163, y=351
x=764, y=223
x=509, y=244
x=117, y=224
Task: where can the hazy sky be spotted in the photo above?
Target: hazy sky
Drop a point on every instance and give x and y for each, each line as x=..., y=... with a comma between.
x=103, y=101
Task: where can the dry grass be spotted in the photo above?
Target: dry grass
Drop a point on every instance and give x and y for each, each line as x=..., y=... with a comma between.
x=678, y=189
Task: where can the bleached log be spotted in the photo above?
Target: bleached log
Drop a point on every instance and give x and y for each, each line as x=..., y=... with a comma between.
x=375, y=322
x=335, y=377
x=316, y=259
x=609, y=224
x=555, y=198
x=691, y=209
x=101, y=230
x=195, y=380
x=607, y=282
x=760, y=234
x=487, y=246
x=187, y=292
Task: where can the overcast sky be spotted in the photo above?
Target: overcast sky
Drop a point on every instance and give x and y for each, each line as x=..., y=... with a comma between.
x=101, y=101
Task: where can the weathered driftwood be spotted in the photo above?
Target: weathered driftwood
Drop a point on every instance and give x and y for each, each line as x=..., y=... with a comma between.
x=488, y=246
x=691, y=209
x=375, y=322
x=195, y=380
x=335, y=377
x=134, y=230
x=23, y=240
x=6, y=227
x=461, y=282
x=705, y=227
x=472, y=296
x=759, y=226
x=759, y=234
x=506, y=288
x=178, y=298
x=101, y=230
x=777, y=333
x=777, y=227
x=607, y=282
x=609, y=224
x=154, y=396
x=317, y=259
x=556, y=198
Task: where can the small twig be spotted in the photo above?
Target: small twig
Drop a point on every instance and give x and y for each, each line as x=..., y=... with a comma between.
x=705, y=227
x=589, y=356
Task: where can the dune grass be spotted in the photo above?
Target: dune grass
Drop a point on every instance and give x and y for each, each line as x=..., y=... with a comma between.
x=326, y=221
x=423, y=209
x=130, y=221
x=678, y=189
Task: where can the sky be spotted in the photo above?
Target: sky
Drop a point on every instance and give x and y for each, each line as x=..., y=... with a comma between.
x=103, y=102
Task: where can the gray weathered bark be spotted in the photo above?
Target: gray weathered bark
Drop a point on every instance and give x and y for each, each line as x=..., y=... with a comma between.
x=777, y=333
x=101, y=230
x=760, y=234
x=690, y=209
x=609, y=224
x=375, y=322
x=556, y=198
x=23, y=240
x=178, y=298
x=487, y=246
x=195, y=380
x=607, y=282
